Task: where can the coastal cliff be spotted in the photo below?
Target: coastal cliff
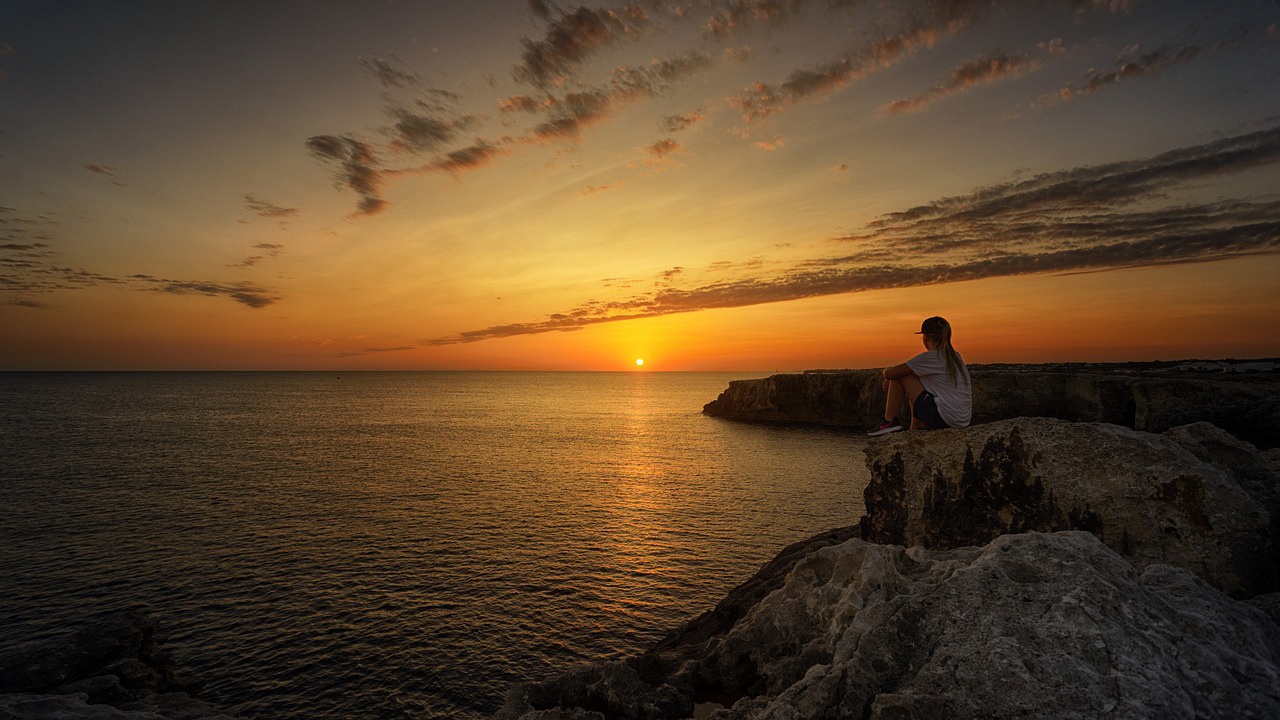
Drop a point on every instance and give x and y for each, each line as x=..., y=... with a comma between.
x=1150, y=399
x=1030, y=567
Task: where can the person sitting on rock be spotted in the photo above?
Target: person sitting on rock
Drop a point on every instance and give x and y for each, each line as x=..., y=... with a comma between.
x=936, y=382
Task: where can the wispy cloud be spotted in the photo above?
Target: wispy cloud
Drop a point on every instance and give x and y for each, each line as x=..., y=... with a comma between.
x=769, y=145
x=268, y=209
x=373, y=351
x=566, y=89
x=354, y=167
x=661, y=151
x=271, y=251
x=676, y=123
x=1146, y=64
x=740, y=15
x=762, y=99
x=243, y=293
x=982, y=70
x=569, y=39
x=30, y=267
x=387, y=74
x=107, y=171
x=520, y=103
x=1076, y=220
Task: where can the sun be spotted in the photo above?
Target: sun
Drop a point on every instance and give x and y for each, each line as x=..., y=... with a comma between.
x=639, y=362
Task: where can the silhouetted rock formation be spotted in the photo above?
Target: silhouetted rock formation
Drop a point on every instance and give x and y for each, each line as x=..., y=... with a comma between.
x=1142, y=401
x=114, y=668
x=1195, y=497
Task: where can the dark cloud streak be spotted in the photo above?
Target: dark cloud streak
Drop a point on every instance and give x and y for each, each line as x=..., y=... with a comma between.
x=1078, y=220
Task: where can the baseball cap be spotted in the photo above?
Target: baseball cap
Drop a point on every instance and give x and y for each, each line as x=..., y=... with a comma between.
x=932, y=326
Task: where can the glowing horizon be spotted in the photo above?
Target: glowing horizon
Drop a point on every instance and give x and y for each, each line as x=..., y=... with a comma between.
x=731, y=184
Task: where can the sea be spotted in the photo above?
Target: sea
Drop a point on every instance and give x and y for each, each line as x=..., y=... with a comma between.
x=395, y=545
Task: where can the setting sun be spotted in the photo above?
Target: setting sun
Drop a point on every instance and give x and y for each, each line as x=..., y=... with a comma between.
x=639, y=362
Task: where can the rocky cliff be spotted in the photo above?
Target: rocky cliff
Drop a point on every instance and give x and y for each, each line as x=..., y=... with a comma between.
x=1149, y=401
x=1032, y=567
x=1032, y=625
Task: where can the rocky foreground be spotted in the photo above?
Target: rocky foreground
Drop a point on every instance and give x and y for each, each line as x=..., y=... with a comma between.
x=1027, y=567
x=114, y=668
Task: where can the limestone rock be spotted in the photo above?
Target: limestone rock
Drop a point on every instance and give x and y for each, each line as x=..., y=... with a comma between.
x=1249, y=410
x=1032, y=625
x=1146, y=496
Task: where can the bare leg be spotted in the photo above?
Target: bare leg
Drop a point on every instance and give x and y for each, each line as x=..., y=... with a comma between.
x=893, y=394
x=911, y=388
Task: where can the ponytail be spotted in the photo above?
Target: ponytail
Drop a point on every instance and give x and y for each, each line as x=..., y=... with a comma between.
x=942, y=343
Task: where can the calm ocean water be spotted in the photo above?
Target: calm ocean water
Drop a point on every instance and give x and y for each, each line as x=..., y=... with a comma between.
x=387, y=545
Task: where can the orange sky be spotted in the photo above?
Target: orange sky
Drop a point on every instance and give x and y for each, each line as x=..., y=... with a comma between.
x=738, y=185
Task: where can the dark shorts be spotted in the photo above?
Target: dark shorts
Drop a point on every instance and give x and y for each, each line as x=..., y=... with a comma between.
x=925, y=410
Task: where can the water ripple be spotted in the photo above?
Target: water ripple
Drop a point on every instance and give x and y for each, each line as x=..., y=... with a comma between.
x=394, y=545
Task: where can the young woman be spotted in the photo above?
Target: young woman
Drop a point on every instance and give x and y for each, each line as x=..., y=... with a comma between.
x=936, y=382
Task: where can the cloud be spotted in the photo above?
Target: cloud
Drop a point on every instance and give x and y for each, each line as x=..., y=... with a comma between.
x=387, y=75
x=28, y=303
x=761, y=100
x=1052, y=47
x=31, y=267
x=540, y=9
x=676, y=123
x=1147, y=64
x=1077, y=220
x=658, y=76
x=570, y=38
x=424, y=131
x=273, y=251
x=740, y=15
x=572, y=113
x=663, y=149
x=474, y=156
x=988, y=69
x=268, y=209
x=243, y=293
x=355, y=168
x=520, y=103
x=590, y=190
x=561, y=103
x=106, y=170
x=371, y=351
x=769, y=145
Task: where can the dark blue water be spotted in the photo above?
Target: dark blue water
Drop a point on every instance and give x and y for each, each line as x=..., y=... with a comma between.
x=394, y=544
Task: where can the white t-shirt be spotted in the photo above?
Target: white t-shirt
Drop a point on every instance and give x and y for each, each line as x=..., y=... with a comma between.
x=954, y=398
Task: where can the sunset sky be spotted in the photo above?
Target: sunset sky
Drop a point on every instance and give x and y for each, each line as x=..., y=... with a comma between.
x=705, y=184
